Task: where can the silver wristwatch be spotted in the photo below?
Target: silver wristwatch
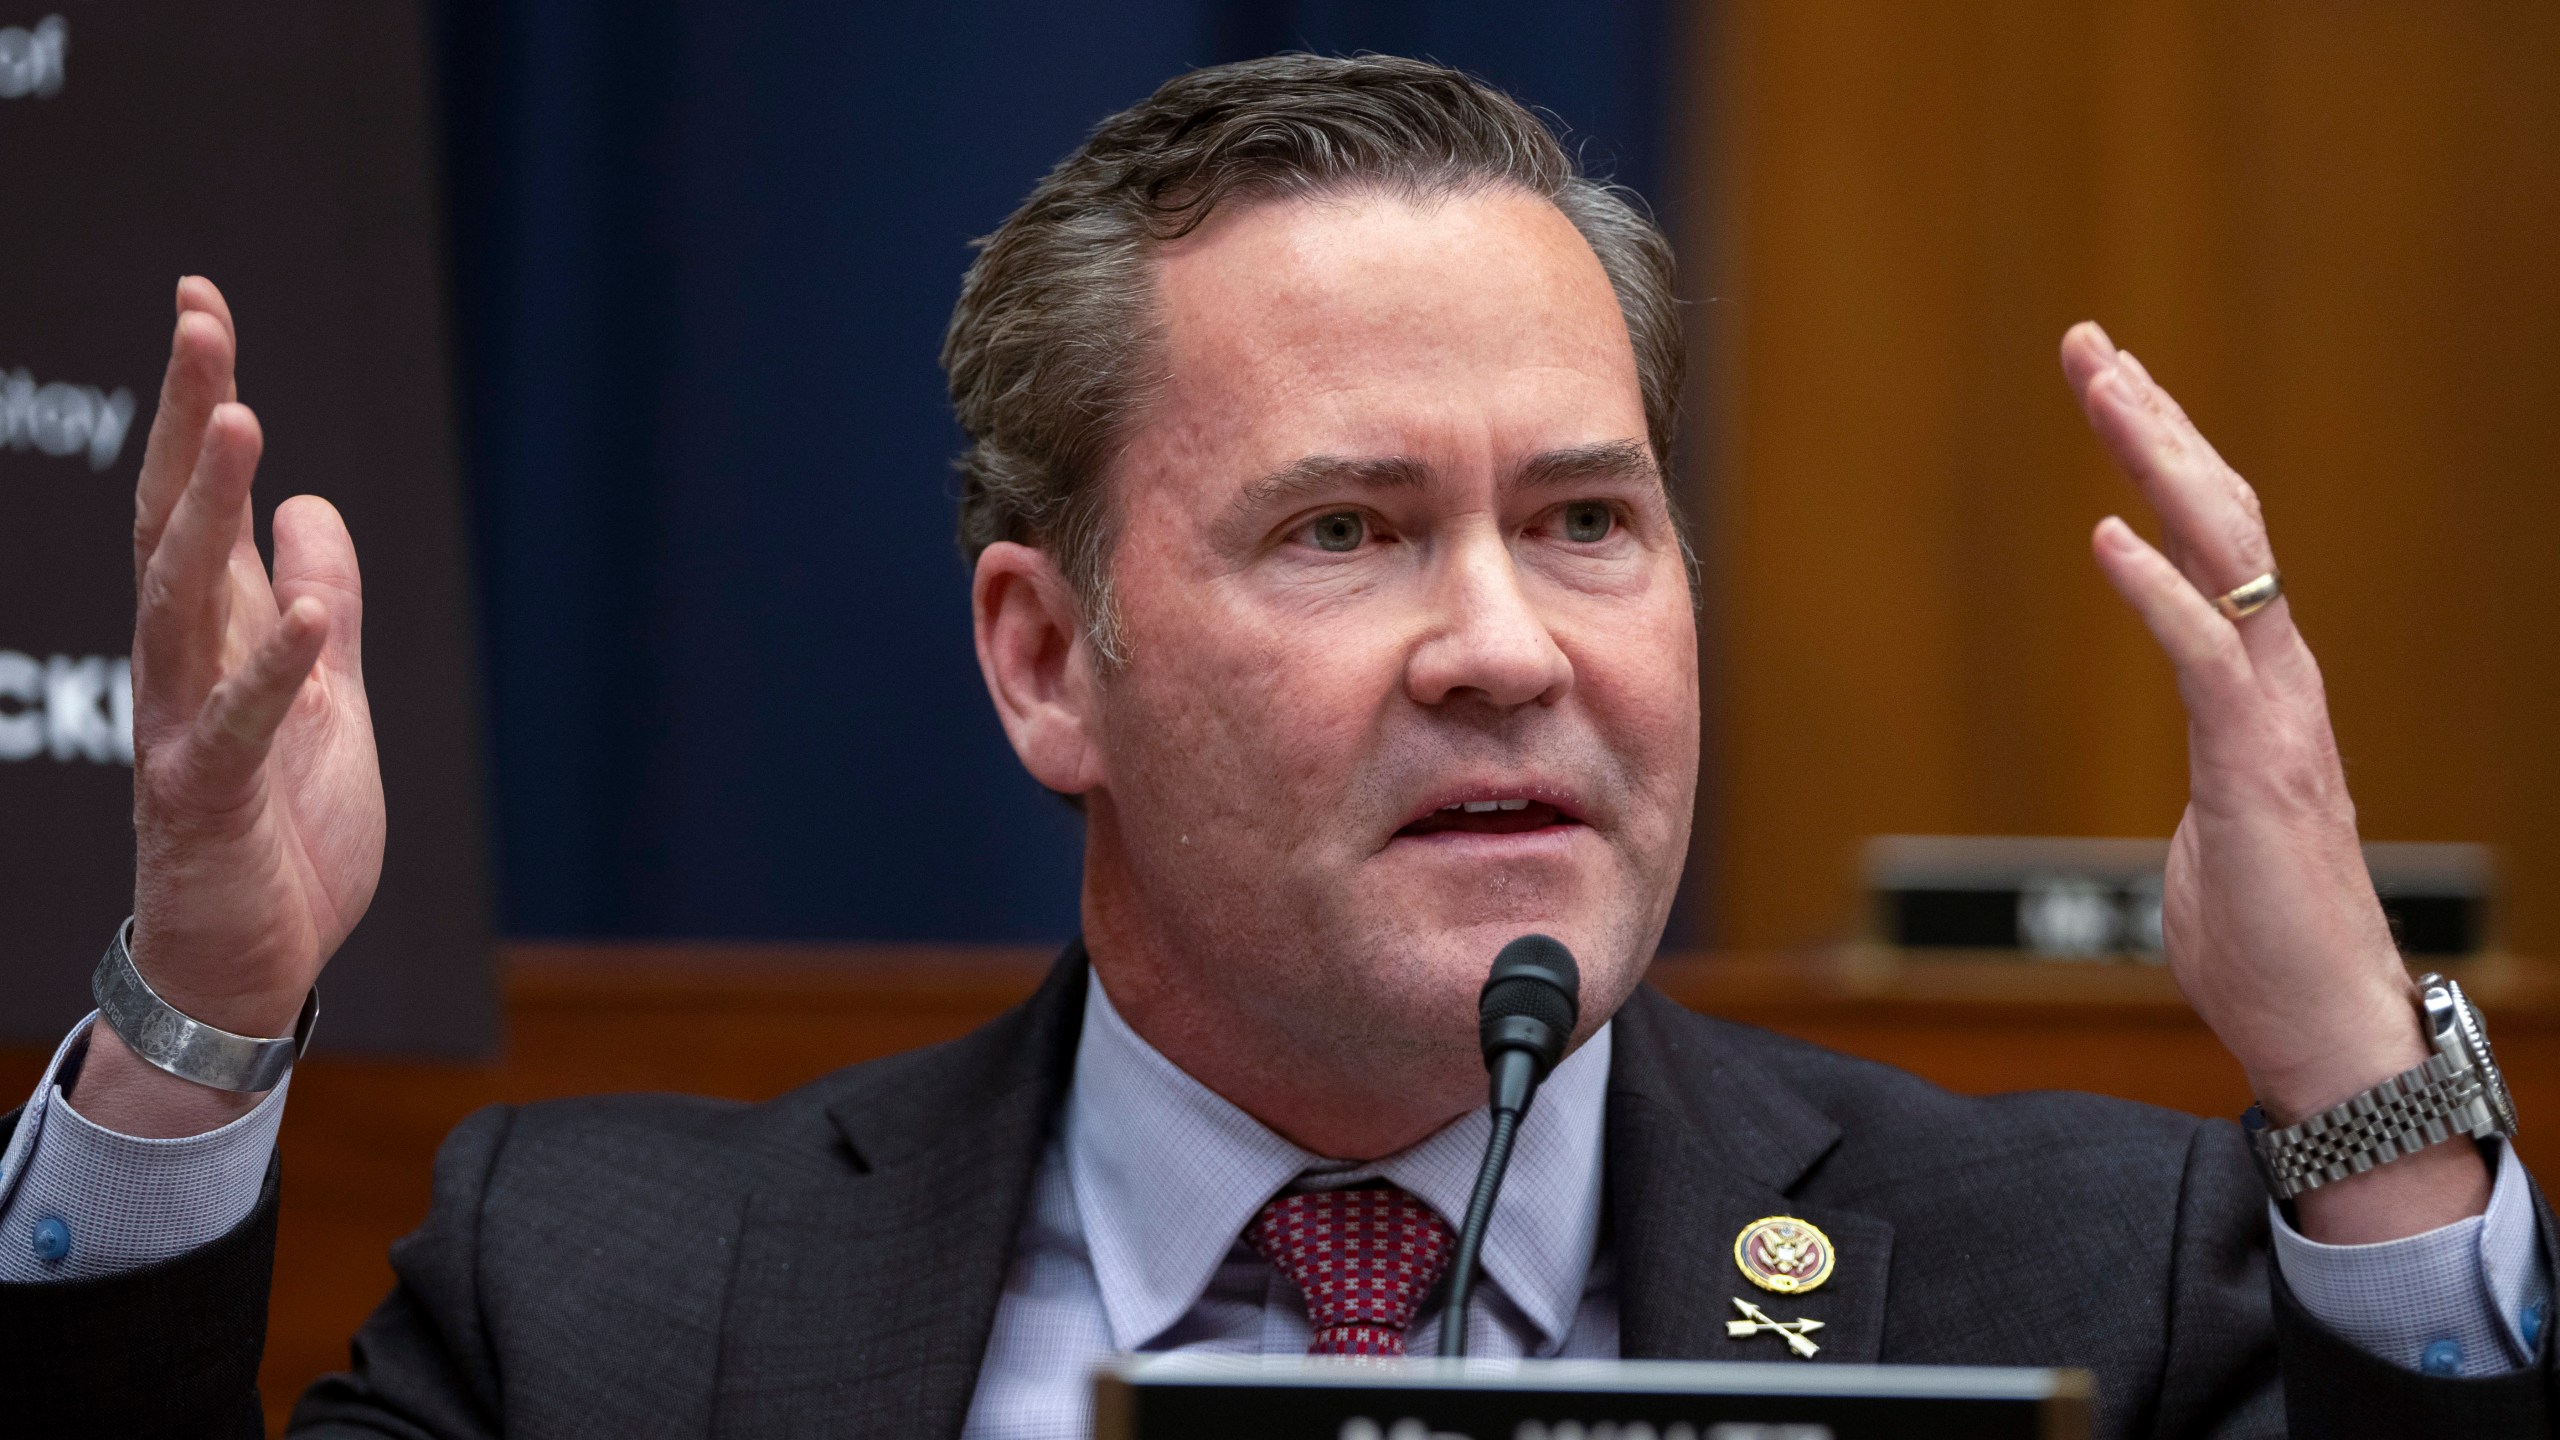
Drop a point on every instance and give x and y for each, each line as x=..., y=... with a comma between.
x=2458, y=1091
x=182, y=1045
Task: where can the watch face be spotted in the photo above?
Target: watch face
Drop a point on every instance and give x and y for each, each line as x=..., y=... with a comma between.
x=2475, y=1039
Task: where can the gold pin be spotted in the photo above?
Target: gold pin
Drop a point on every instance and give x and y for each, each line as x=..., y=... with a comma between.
x=1783, y=1254
x=1754, y=1320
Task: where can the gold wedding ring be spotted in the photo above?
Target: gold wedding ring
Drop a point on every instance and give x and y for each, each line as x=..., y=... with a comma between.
x=2251, y=598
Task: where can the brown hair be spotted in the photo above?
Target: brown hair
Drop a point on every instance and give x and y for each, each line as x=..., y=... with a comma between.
x=1051, y=348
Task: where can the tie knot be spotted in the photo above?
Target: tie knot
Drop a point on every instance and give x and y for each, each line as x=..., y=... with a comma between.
x=1362, y=1258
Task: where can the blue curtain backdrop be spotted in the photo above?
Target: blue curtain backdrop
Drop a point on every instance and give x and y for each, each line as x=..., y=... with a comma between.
x=703, y=254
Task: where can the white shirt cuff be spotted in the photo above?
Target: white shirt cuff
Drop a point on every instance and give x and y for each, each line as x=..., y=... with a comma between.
x=78, y=1201
x=2469, y=1298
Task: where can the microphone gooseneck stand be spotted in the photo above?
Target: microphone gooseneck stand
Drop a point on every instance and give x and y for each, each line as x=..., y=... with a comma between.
x=1524, y=1016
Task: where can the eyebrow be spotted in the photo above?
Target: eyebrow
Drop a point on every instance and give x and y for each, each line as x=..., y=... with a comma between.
x=1311, y=475
x=1582, y=464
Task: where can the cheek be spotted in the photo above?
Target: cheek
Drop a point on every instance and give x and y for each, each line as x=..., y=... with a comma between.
x=1231, y=715
x=1639, y=675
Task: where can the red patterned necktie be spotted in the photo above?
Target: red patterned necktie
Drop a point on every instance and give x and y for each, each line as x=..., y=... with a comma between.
x=1363, y=1258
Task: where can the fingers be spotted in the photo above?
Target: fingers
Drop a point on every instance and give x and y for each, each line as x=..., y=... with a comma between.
x=182, y=601
x=316, y=558
x=197, y=293
x=240, y=718
x=253, y=606
x=2086, y=350
x=199, y=377
x=2215, y=534
x=2214, y=669
x=2215, y=531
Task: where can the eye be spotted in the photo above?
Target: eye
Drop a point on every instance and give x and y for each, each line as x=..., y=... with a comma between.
x=1340, y=532
x=1588, y=521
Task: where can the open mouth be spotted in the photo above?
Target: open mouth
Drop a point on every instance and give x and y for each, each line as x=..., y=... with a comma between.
x=1488, y=817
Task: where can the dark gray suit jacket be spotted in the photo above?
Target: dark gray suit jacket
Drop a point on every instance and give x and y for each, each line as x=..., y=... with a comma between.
x=829, y=1264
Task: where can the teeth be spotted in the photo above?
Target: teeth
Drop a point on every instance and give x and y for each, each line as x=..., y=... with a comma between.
x=1487, y=807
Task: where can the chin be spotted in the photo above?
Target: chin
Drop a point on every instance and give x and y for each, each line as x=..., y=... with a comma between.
x=1459, y=899
x=1422, y=978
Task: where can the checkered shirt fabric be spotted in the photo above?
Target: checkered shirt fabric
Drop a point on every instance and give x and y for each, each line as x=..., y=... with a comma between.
x=2471, y=1282
x=1363, y=1258
x=124, y=1201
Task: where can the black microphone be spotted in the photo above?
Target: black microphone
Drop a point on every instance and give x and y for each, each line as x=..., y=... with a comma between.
x=1524, y=1017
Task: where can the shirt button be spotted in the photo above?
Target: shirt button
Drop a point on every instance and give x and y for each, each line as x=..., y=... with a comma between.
x=2444, y=1357
x=2533, y=1316
x=52, y=1239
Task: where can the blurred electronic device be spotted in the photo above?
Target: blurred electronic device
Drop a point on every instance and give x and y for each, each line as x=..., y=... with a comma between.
x=1251, y=1398
x=2052, y=898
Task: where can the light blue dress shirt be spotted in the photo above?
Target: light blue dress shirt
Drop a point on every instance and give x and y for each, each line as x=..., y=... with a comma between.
x=120, y=1202
x=1132, y=1241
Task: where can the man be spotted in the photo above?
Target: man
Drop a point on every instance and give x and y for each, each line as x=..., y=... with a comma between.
x=1318, y=415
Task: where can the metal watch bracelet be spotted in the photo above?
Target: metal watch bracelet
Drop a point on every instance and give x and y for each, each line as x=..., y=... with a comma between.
x=2427, y=1104
x=181, y=1045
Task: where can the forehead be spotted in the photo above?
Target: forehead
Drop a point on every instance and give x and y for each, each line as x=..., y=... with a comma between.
x=1378, y=320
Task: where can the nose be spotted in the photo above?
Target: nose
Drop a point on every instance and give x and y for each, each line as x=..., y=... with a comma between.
x=1487, y=640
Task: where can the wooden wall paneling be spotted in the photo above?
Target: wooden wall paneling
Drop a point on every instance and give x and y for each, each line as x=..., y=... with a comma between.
x=1800, y=725
x=2410, y=368
x=2327, y=230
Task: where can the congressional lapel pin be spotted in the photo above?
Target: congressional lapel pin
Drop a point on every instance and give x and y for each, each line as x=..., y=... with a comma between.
x=1783, y=1255
x=1755, y=1320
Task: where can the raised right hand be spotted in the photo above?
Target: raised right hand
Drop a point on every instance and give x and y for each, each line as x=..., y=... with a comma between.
x=257, y=800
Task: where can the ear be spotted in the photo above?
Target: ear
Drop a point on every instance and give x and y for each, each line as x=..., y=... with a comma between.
x=1038, y=666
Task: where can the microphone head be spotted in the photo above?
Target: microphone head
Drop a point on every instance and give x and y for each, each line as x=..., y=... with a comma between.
x=1530, y=1001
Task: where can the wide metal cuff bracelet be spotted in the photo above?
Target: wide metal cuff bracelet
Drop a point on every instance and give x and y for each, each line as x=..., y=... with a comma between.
x=187, y=1048
x=2424, y=1105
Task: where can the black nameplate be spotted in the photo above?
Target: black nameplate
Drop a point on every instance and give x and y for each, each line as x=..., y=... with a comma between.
x=1158, y=1397
x=2081, y=899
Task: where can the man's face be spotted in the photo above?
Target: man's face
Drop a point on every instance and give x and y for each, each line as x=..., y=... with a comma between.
x=1411, y=659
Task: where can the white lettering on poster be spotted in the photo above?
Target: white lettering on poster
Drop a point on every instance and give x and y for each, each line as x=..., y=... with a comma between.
x=31, y=58
x=59, y=419
x=68, y=707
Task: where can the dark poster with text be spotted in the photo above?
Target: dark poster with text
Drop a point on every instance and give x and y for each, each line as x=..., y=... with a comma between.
x=283, y=149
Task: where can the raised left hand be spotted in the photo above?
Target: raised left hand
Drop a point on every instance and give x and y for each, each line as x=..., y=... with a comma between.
x=2272, y=927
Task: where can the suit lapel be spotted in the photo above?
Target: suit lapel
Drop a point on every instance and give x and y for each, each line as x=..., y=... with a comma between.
x=1699, y=1148
x=868, y=1276
x=867, y=1282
